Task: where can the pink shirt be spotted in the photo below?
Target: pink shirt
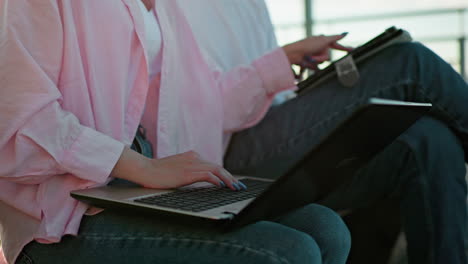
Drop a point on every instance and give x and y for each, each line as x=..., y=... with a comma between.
x=74, y=82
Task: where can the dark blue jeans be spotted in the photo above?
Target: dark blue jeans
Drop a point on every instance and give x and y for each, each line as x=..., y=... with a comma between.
x=424, y=167
x=313, y=234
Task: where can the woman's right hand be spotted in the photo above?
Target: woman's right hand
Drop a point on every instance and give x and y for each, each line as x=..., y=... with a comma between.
x=171, y=172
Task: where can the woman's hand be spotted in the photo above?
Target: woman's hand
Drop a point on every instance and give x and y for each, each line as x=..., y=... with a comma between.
x=172, y=172
x=310, y=52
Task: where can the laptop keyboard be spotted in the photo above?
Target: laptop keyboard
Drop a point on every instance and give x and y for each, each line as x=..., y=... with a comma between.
x=201, y=199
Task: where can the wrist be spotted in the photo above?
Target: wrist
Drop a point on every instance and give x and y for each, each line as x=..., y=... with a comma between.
x=131, y=166
x=287, y=51
x=292, y=54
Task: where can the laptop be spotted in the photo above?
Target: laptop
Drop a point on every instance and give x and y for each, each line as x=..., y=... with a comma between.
x=345, y=68
x=333, y=161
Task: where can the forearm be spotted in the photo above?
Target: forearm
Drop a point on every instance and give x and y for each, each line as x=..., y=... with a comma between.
x=130, y=166
x=171, y=172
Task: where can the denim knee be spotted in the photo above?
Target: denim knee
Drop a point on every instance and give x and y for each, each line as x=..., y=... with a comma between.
x=417, y=63
x=413, y=52
x=285, y=244
x=326, y=227
x=409, y=49
x=333, y=235
x=303, y=248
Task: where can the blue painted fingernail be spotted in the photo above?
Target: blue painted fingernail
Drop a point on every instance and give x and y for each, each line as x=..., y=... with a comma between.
x=310, y=60
x=238, y=188
x=344, y=33
x=241, y=184
x=222, y=184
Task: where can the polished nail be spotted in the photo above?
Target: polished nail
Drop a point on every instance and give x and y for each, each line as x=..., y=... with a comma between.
x=241, y=184
x=238, y=188
x=310, y=60
x=222, y=184
x=344, y=33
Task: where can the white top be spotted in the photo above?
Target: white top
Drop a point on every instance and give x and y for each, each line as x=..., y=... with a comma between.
x=153, y=40
x=230, y=32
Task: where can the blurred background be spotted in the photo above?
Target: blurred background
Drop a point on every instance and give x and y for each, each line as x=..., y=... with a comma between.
x=442, y=25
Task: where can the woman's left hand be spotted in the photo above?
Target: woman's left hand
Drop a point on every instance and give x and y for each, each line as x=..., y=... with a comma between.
x=311, y=51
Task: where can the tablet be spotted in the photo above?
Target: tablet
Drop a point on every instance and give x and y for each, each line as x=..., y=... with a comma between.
x=345, y=68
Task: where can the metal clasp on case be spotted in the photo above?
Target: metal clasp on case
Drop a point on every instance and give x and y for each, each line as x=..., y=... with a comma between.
x=347, y=72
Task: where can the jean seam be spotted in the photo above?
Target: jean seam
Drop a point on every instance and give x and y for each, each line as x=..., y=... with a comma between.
x=427, y=207
x=260, y=252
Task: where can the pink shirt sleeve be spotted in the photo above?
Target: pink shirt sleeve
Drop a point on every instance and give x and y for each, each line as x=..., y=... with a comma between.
x=37, y=137
x=2, y=257
x=249, y=90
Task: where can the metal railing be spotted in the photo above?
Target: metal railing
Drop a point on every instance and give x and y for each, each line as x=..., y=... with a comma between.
x=460, y=38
